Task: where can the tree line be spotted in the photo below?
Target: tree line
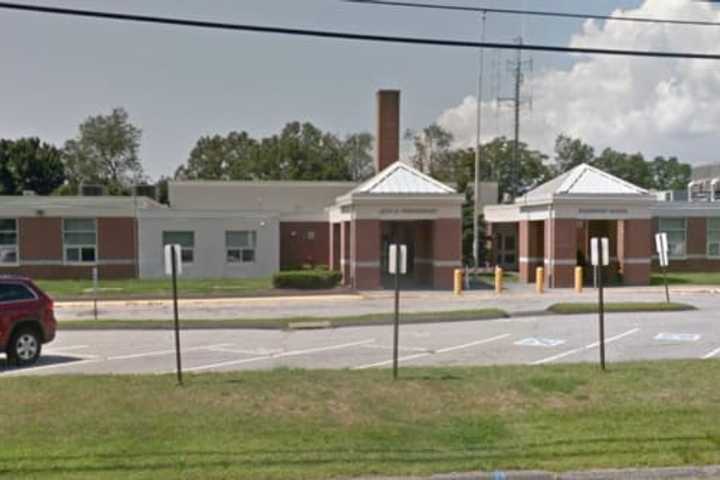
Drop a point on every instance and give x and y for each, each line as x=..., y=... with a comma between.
x=105, y=151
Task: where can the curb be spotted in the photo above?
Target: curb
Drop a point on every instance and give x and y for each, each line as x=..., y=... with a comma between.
x=670, y=473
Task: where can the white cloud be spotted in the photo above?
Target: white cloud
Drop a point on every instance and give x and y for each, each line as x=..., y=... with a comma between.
x=655, y=106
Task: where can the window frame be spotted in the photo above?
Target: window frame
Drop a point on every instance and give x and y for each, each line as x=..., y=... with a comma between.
x=708, y=230
x=252, y=248
x=16, y=246
x=81, y=246
x=683, y=255
x=183, y=248
x=22, y=300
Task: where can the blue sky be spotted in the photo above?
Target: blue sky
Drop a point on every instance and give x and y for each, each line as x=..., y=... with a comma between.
x=178, y=84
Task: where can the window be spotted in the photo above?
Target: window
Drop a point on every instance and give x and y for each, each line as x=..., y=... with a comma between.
x=240, y=246
x=13, y=292
x=676, y=229
x=8, y=241
x=80, y=240
x=713, y=237
x=186, y=240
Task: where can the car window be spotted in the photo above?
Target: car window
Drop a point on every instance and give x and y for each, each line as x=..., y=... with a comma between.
x=12, y=292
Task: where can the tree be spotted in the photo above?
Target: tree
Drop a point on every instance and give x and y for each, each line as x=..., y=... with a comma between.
x=431, y=145
x=630, y=167
x=571, y=152
x=105, y=151
x=29, y=164
x=358, y=156
x=233, y=157
x=670, y=174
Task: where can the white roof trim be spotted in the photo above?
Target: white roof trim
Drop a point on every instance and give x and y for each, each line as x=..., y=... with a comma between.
x=402, y=179
x=586, y=180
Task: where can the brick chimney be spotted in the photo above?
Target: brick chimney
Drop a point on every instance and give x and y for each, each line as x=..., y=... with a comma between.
x=387, y=150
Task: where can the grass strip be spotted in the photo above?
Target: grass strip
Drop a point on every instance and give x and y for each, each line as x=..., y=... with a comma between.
x=571, y=308
x=693, y=278
x=294, y=424
x=284, y=323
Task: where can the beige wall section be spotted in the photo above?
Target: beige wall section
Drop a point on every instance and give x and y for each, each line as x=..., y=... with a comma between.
x=290, y=199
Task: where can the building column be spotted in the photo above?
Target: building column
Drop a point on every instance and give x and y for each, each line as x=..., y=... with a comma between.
x=635, y=242
x=365, y=254
x=345, y=252
x=447, y=251
x=530, y=249
x=561, y=246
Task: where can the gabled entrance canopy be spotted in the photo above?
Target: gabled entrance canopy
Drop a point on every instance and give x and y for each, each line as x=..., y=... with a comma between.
x=551, y=226
x=398, y=204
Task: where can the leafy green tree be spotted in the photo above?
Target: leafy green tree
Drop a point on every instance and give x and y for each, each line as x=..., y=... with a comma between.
x=233, y=157
x=630, y=167
x=571, y=152
x=431, y=146
x=670, y=174
x=105, y=151
x=359, y=157
x=29, y=164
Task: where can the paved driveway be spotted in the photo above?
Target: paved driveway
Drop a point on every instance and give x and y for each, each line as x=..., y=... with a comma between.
x=530, y=340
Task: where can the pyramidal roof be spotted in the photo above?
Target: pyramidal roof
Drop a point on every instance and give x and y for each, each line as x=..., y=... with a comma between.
x=586, y=180
x=399, y=179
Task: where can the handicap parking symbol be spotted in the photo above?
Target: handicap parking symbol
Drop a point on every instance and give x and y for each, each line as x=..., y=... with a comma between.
x=539, y=342
x=677, y=337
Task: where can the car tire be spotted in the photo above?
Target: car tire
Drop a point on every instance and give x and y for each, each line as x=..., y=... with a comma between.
x=24, y=348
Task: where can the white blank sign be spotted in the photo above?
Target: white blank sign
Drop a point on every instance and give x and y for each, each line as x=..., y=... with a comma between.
x=168, y=259
x=392, y=258
x=661, y=245
x=600, y=251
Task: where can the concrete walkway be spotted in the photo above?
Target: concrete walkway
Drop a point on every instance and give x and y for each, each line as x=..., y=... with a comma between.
x=518, y=299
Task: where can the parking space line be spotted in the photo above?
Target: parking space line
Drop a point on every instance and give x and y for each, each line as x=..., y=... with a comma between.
x=167, y=352
x=20, y=371
x=586, y=347
x=291, y=353
x=439, y=351
x=711, y=354
x=407, y=349
x=259, y=351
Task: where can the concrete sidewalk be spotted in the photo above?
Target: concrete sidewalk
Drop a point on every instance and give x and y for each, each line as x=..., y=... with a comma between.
x=519, y=299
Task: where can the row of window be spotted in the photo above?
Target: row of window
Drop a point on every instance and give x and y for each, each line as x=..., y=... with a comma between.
x=240, y=245
x=676, y=229
x=80, y=242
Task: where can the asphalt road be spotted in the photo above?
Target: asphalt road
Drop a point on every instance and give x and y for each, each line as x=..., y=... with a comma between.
x=530, y=340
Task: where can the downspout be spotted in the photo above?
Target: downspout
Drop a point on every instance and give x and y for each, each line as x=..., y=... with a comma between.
x=689, y=191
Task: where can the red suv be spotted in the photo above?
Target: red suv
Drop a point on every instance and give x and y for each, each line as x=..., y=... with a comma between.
x=27, y=320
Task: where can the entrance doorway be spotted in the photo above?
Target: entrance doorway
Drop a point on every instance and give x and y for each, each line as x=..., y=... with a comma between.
x=587, y=230
x=405, y=232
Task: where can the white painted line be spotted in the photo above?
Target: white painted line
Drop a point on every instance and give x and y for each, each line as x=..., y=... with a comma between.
x=427, y=354
x=291, y=353
x=711, y=354
x=166, y=352
x=389, y=347
x=677, y=337
x=258, y=351
x=540, y=342
x=586, y=347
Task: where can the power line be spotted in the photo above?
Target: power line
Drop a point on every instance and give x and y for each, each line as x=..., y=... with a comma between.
x=349, y=36
x=539, y=13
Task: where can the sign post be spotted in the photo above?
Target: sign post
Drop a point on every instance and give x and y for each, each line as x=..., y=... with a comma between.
x=173, y=267
x=95, y=292
x=661, y=244
x=600, y=257
x=397, y=264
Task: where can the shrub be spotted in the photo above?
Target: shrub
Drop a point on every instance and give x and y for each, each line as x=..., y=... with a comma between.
x=307, y=279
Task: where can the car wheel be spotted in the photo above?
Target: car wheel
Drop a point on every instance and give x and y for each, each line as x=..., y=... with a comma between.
x=24, y=348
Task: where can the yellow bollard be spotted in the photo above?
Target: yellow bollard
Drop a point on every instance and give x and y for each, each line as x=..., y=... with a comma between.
x=458, y=281
x=498, y=280
x=539, y=279
x=579, y=279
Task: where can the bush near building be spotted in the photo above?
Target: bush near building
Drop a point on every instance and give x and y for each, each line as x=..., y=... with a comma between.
x=307, y=279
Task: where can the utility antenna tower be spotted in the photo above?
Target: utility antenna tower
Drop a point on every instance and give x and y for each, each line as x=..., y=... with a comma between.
x=517, y=67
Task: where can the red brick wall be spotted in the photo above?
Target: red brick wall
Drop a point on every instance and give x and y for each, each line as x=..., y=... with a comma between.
x=366, y=244
x=295, y=247
x=388, y=128
x=116, y=238
x=447, y=247
x=564, y=245
x=696, y=236
x=41, y=238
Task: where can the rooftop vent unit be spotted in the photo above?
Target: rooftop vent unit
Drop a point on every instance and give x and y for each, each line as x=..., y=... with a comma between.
x=92, y=190
x=149, y=191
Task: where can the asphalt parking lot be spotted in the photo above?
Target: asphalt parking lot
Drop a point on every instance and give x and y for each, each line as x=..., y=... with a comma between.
x=531, y=340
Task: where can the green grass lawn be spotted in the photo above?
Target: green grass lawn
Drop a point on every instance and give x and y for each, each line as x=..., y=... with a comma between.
x=154, y=288
x=705, y=278
x=615, y=307
x=369, y=319
x=291, y=424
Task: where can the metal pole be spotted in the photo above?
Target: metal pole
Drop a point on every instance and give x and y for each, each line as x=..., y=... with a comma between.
x=516, y=144
x=173, y=262
x=476, y=194
x=396, y=327
x=667, y=290
x=601, y=306
x=95, y=293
